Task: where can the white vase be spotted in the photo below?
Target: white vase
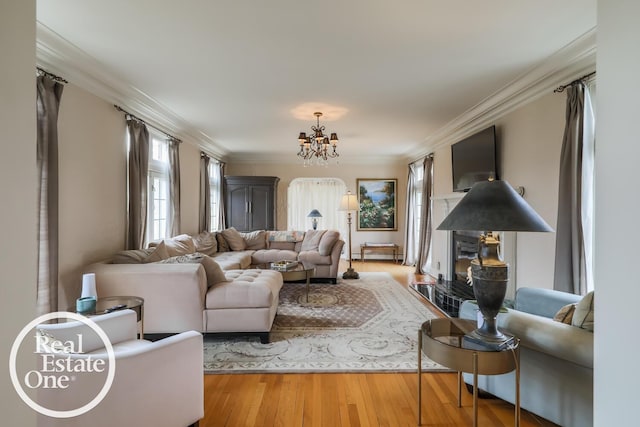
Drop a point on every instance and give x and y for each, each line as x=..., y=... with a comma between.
x=89, y=286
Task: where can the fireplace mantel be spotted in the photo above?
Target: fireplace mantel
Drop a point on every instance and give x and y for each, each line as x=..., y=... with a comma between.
x=442, y=250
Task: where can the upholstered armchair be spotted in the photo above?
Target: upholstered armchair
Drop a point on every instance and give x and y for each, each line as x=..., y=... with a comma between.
x=155, y=383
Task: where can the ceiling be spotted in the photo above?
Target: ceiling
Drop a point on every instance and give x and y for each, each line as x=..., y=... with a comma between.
x=229, y=75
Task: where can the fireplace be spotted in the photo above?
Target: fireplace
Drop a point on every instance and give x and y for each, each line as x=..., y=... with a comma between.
x=464, y=247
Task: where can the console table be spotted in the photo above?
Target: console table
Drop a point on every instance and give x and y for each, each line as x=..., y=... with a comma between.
x=379, y=246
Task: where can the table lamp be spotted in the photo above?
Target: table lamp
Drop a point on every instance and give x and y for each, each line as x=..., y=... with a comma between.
x=314, y=215
x=491, y=206
x=349, y=203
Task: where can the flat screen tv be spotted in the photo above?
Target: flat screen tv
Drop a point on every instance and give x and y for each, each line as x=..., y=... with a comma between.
x=474, y=159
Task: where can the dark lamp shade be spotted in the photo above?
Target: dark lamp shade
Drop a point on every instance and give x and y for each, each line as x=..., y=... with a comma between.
x=314, y=214
x=493, y=206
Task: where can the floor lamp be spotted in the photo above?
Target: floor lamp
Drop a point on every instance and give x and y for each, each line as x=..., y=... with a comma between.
x=350, y=204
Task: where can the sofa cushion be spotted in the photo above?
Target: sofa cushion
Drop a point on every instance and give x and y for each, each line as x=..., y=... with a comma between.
x=311, y=240
x=133, y=256
x=285, y=236
x=223, y=246
x=265, y=256
x=245, y=289
x=212, y=269
x=565, y=314
x=234, y=239
x=158, y=253
x=328, y=240
x=180, y=245
x=233, y=260
x=583, y=316
x=206, y=243
x=255, y=239
x=313, y=258
x=284, y=246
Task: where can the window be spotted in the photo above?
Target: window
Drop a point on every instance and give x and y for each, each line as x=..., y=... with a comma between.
x=323, y=194
x=158, y=190
x=215, y=193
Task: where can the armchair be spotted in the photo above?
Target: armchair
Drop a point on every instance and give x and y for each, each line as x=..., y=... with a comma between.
x=155, y=384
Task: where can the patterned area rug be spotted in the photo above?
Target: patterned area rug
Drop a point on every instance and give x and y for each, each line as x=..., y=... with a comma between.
x=366, y=325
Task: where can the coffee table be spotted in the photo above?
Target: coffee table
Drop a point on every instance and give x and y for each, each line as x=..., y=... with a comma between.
x=441, y=341
x=294, y=274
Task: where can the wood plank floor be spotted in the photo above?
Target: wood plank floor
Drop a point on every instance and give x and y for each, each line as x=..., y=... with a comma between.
x=349, y=400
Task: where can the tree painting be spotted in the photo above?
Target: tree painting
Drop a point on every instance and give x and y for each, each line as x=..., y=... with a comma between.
x=377, y=204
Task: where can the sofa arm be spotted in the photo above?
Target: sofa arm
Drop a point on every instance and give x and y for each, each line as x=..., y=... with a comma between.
x=549, y=336
x=543, y=302
x=174, y=294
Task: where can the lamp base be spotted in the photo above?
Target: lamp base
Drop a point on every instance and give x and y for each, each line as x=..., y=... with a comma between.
x=350, y=274
x=476, y=340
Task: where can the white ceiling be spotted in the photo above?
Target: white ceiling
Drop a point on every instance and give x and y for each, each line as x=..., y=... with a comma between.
x=229, y=73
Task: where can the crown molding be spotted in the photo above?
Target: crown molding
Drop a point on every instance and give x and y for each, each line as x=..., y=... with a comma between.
x=57, y=55
x=572, y=61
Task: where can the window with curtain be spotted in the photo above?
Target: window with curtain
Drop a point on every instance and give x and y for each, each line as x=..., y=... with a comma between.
x=158, y=188
x=323, y=194
x=215, y=194
x=414, y=211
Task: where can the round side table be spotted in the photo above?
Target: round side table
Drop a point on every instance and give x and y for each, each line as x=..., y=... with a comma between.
x=442, y=341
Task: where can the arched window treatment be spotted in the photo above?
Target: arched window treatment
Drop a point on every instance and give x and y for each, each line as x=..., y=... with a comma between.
x=323, y=194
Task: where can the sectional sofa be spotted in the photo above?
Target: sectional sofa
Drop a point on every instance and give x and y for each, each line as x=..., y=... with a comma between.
x=215, y=282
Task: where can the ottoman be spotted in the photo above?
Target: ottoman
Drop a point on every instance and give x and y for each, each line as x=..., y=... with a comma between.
x=247, y=302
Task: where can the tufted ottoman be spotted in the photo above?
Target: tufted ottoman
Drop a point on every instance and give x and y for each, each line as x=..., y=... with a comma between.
x=247, y=302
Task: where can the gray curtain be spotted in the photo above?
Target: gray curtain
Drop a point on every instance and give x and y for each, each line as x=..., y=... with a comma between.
x=137, y=176
x=571, y=265
x=424, y=244
x=411, y=239
x=49, y=93
x=173, y=225
x=205, y=194
x=219, y=171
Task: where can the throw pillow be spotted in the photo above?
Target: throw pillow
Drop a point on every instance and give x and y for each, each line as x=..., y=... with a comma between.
x=223, y=246
x=584, y=313
x=234, y=239
x=206, y=243
x=159, y=253
x=565, y=314
x=311, y=240
x=180, y=245
x=133, y=256
x=255, y=240
x=212, y=269
x=327, y=241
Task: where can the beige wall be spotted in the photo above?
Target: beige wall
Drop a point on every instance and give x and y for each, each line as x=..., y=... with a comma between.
x=529, y=143
x=93, y=201
x=92, y=164
x=17, y=192
x=346, y=172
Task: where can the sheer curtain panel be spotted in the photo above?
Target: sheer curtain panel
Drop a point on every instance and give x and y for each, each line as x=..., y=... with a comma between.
x=49, y=93
x=204, y=221
x=217, y=182
x=323, y=194
x=138, y=170
x=411, y=236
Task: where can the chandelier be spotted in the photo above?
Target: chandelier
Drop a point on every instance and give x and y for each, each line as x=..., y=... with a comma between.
x=315, y=148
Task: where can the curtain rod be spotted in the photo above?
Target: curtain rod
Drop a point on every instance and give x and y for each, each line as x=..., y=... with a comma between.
x=563, y=87
x=42, y=72
x=117, y=107
x=203, y=154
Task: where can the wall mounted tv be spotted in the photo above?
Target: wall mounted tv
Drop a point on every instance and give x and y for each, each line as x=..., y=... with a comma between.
x=474, y=159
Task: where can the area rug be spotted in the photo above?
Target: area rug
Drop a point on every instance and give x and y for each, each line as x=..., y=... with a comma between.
x=365, y=325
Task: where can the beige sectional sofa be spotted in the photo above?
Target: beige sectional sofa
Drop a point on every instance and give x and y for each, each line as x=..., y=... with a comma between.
x=210, y=282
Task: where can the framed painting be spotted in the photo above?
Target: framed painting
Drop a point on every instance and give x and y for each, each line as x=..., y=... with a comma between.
x=377, y=198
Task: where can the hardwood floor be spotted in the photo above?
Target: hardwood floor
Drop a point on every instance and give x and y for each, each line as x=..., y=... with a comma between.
x=349, y=399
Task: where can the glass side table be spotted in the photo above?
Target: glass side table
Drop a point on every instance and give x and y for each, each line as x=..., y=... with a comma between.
x=441, y=341
x=108, y=304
